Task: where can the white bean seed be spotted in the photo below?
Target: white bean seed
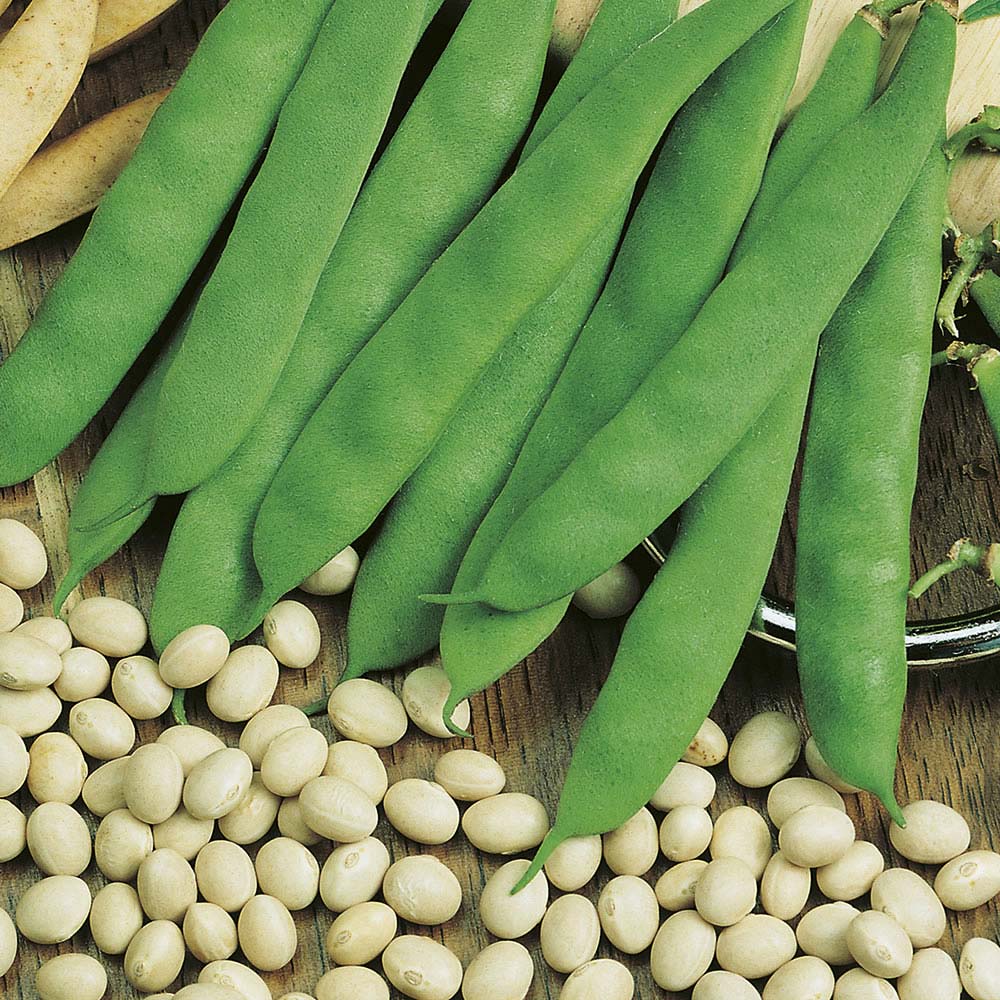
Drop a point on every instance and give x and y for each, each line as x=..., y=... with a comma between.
x=601, y=979
x=166, y=885
x=741, y=832
x=104, y=790
x=932, y=976
x=784, y=888
x=613, y=594
x=682, y=951
x=14, y=761
x=709, y=746
x=267, y=933
x=338, y=809
x=721, y=985
x=879, y=945
x=292, y=825
x=353, y=982
x=292, y=634
x=71, y=977
x=911, y=902
x=856, y=984
x=254, y=816
x=153, y=783
x=968, y=881
x=570, y=933
x=368, y=712
x=23, y=562
x=979, y=968
x=629, y=913
x=676, y=887
x=353, y=873
x=26, y=663
x=360, y=764
x=154, y=956
x=507, y=916
x=764, y=750
x=225, y=875
x=803, y=978
x=287, y=871
x=422, y=890
x=815, y=836
x=192, y=744
x=263, y=728
x=425, y=692
x=11, y=609
x=139, y=689
x=29, y=713
x=53, y=910
x=209, y=932
x=183, y=833
x=633, y=848
x=52, y=631
x=236, y=976
x=756, y=947
x=574, y=862
x=8, y=943
x=685, y=785
x=360, y=934
x=244, y=685
x=85, y=674
x=121, y=844
x=421, y=811
x=791, y=794
x=217, y=784
x=57, y=770
x=468, y=775
x=508, y=823
x=13, y=831
x=101, y=728
x=115, y=917
x=822, y=932
x=852, y=875
x=934, y=833
x=194, y=656
x=726, y=892
x=293, y=759
x=501, y=971
x=58, y=839
x=335, y=576
x=108, y=625
x=421, y=968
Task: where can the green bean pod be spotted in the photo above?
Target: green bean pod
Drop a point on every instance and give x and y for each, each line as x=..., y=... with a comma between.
x=985, y=292
x=691, y=189
x=429, y=524
x=462, y=127
x=628, y=744
x=734, y=358
x=513, y=254
x=152, y=228
x=858, y=478
x=247, y=319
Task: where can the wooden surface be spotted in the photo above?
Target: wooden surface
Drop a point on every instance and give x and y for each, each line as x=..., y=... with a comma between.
x=529, y=721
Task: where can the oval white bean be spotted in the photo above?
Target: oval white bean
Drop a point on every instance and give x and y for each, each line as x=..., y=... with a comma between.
x=108, y=625
x=932, y=976
x=115, y=917
x=59, y=839
x=139, y=689
x=236, y=976
x=421, y=810
x=803, y=978
x=934, y=833
x=104, y=790
x=353, y=873
x=23, y=561
x=633, y=848
x=194, y=656
x=822, y=771
x=71, y=977
x=11, y=609
x=574, y=862
x=764, y=750
x=756, y=947
x=979, y=969
x=721, y=985
x=741, y=832
x=501, y=971
x=602, y=978
x=244, y=685
x=968, y=881
x=784, y=888
x=422, y=890
x=508, y=823
x=353, y=982
x=815, y=836
x=217, y=784
x=629, y=913
x=293, y=759
x=911, y=902
x=183, y=833
x=53, y=910
x=292, y=825
x=29, y=713
x=14, y=761
x=360, y=934
x=360, y=764
x=856, y=984
x=287, y=871
x=27, y=663
x=53, y=632
x=338, y=809
x=368, y=712
x=570, y=933
x=254, y=816
x=292, y=634
x=507, y=916
x=192, y=744
x=225, y=875
x=726, y=892
x=13, y=831
x=85, y=674
x=682, y=951
x=421, y=968
x=153, y=783
x=335, y=576
x=852, y=875
x=425, y=692
x=468, y=775
x=166, y=885
x=101, y=728
x=822, y=932
x=209, y=932
x=121, y=844
x=154, y=956
x=267, y=933
x=613, y=594
x=879, y=945
x=685, y=785
x=792, y=794
x=8, y=943
x=676, y=887
x=56, y=769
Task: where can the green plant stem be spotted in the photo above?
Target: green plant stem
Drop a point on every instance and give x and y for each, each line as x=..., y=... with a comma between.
x=177, y=707
x=317, y=707
x=972, y=253
x=983, y=131
x=962, y=555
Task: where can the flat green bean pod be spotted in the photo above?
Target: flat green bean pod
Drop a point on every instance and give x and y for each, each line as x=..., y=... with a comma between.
x=738, y=352
x=247, y=319
x=513, y=254
x=858, y=478
x=462, y=135
x=691, y=190
x=430, y=523
x=152, y=228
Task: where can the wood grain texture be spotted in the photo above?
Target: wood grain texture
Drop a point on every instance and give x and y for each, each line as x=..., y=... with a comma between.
x=530, y=720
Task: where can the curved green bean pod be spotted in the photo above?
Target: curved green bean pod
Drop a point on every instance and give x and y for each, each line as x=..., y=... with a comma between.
x=247, y=319
x=462, y=135
x=152, y=228
x=656, y=448
x=509, y=258
x=605, y=773
x=853, y=540
x=638, y=317
x=430, y=523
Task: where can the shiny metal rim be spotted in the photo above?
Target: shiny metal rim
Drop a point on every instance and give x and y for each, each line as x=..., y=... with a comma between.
x=928, y=644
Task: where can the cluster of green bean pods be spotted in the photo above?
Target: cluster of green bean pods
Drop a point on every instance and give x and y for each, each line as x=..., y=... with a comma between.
x=429, y=525
x=510, y=257
x=152, y=228
x=462, y=135
x=637, y=319
x=604, y=785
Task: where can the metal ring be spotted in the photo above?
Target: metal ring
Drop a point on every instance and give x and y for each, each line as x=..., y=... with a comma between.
x=928, y=644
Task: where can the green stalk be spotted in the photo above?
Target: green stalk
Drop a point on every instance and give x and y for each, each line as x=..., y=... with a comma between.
x=964, y=554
